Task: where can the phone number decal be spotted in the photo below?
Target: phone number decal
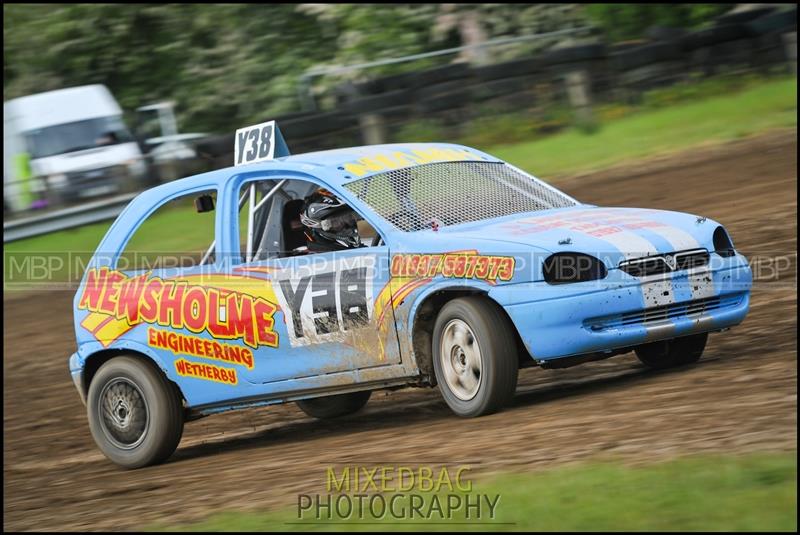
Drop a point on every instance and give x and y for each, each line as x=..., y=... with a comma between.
x=459, y=265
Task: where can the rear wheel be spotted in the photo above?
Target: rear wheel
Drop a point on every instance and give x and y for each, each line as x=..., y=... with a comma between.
x=670, y=353
x=135, y=414
x=474, y=356
x=334, y=406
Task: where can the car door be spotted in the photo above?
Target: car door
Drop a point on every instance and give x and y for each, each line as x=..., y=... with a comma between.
x=333, y=309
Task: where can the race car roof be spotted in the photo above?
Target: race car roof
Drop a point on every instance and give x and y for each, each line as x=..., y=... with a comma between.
x=336, y=167
x=353, y=163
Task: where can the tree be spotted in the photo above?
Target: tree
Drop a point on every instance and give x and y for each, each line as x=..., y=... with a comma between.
x=231, y=64
x=630, y=21
x=222, y=64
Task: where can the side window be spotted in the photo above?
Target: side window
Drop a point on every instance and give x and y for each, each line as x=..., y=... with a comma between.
x=281, y=218
x=177, y=234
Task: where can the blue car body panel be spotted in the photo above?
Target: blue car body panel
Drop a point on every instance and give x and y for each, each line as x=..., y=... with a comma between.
x=233, y=334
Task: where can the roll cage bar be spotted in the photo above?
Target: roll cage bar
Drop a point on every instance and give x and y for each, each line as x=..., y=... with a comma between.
x=249, y=197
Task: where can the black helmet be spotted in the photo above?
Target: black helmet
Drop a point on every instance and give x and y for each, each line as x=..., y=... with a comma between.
x=331, y=223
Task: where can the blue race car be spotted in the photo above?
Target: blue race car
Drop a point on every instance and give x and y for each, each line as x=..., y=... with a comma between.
x=336, y=273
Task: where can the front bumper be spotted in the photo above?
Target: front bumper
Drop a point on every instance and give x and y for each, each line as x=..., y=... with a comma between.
x=93, y=183
x=623, y=311
x=76, y=371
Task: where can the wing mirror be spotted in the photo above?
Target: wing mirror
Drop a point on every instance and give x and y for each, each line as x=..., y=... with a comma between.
x=204, y=203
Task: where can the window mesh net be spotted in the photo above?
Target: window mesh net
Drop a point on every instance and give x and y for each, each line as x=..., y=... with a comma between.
x=449, y=193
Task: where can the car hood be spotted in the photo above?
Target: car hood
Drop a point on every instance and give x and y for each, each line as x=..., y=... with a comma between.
x=610, y=234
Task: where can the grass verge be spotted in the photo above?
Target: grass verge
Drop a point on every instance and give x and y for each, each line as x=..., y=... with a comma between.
x=763, y=107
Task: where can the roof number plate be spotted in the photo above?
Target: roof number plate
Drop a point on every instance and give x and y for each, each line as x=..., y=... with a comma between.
x=255, y=143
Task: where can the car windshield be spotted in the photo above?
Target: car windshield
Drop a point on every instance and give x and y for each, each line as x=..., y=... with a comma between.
x=449, y=193
x=80, y=135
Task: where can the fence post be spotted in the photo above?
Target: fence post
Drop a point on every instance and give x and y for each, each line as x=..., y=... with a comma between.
x=373, y=128
x=790, y=44
x=580, y=96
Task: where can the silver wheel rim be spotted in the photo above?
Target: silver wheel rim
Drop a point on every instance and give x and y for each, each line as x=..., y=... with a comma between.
x=460, y=357
x=124, y=414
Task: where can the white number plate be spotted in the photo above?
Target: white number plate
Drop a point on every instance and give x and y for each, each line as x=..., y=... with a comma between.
x=254, y=143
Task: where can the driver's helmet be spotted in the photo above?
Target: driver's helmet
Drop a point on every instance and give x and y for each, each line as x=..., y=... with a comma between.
x=331, y=224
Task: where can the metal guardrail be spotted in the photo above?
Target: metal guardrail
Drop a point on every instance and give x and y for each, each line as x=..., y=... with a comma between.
x=75, y=216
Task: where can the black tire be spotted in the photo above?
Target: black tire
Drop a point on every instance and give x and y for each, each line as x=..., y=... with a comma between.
x=670, y=353
x=495, y=341
x=128, y=382
x=334, y=406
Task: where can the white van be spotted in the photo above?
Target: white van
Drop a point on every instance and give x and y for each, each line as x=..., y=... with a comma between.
x=74, y=140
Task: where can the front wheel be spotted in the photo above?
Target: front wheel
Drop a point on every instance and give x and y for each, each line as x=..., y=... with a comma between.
x=670, y=353
x=135, y=415
x=474, y=356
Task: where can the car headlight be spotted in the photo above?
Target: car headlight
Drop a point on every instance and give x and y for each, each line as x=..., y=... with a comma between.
x=563, y=268
x=723, y=245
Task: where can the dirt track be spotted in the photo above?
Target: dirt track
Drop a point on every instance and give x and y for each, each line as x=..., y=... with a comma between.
x=742, y=396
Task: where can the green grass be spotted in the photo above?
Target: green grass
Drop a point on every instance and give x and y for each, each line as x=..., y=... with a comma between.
x=171, y=230
x=756, y=107
x=744, y=493
x=175, y=226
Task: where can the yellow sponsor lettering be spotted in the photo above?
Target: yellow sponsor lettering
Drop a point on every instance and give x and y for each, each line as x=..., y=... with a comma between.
x=117, y=303
x=386, y=161
x=208, y=372
x=181, y=344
